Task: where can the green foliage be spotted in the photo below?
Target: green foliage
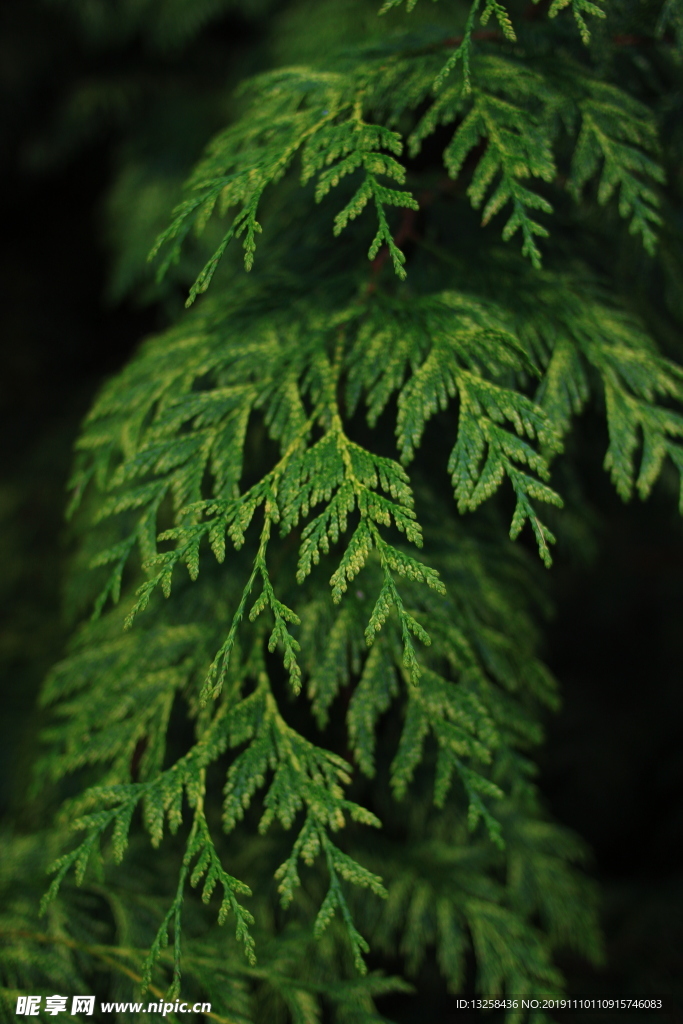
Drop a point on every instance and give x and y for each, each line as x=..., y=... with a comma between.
x=618, y=132
x=293, y=110
x=97, y=929
x=29, y=960
x=580, y=9
x=513, y=107
x=291, y=442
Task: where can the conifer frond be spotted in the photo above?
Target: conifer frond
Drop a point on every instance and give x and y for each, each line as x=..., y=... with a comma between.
x=510, y=951
x=630, y=412
x=636, y=384
x=447, y=345
x=131, y=688
x=340, y=866
x=334, y=470
x=306, y=778
x=99, y=930
x=467, y=714
x=619, y=134
x=154, y=438
x=394, y=336
x=494, y=9
x=29, y=960
x=372, y=696
x=505, y=104
x=439, y=707
x=353, y=144
x=515, y=149
x=319, y=115
x=463, y=51
x=439, y=903
x=296, y=424
x=580, y=9
x=208, y=867
x=564, y=388
x=484, y=452
x=543, y=879
x=330, y=665
x=510, y=111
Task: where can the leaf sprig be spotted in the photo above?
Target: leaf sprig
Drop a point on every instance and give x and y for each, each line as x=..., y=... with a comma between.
x=297, y=110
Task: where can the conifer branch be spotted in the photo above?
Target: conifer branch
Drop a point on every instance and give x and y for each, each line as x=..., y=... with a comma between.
x=274, y=425
x=618, y=132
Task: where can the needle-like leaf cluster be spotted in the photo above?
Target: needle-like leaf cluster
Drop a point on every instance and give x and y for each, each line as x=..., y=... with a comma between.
x=298, y=502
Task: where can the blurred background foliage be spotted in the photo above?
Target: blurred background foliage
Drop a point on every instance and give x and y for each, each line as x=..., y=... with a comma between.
x=103, y=109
